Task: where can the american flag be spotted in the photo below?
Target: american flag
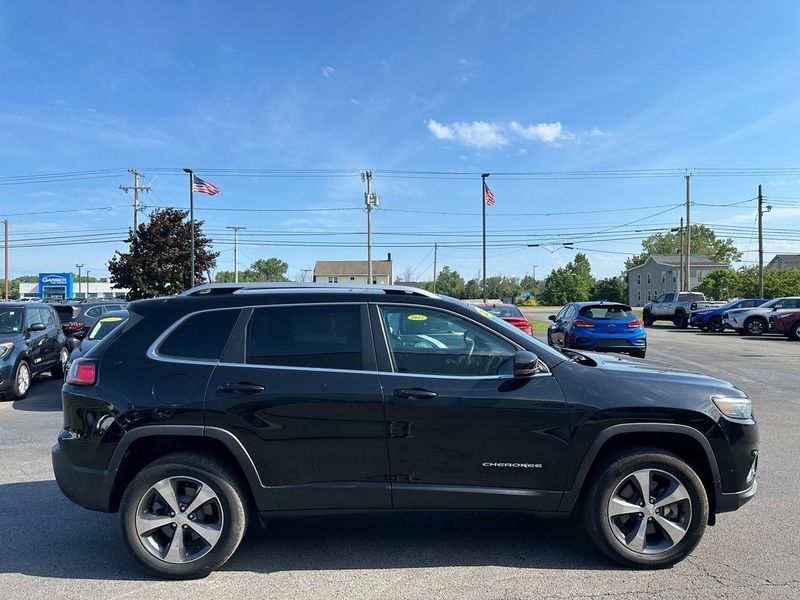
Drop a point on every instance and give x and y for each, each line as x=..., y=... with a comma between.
x=203, y=187
x=488, y=197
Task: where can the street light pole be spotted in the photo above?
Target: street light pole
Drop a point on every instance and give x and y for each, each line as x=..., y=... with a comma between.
x=87, y=283
x=483, y=209
x=80, y=266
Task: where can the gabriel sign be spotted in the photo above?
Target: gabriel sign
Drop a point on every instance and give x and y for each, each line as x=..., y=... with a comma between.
x=54, y=280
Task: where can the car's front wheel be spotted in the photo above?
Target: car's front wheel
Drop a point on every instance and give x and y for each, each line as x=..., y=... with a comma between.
x=21, y=382
x=646, y=508
x=755, y=326
x=184, y=515
x=794, y=332
x=715, y=325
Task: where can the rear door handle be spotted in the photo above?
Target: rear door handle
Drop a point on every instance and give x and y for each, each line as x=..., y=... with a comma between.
x=241, y=388
x=415, y=393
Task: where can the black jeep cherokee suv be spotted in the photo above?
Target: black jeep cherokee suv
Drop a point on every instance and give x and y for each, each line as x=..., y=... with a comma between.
x=233, y=399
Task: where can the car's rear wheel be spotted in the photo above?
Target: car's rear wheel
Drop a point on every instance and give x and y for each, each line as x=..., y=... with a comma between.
x=22, y=381
x=715, y=325
x=794, y=332
x=755, y=326
x=184, y=515
x=680, y=320
x=59, y=368
x=647, y=318
x=646, y=508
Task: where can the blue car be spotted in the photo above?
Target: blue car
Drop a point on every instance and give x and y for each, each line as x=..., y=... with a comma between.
x=598, y=326
x=710, y=319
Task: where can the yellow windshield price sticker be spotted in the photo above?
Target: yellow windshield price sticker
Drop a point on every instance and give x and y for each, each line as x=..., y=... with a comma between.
x=417, y=318
x=110, y=319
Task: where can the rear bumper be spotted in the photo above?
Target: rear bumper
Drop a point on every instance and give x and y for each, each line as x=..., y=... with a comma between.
x=79, y=484
x=608, y=343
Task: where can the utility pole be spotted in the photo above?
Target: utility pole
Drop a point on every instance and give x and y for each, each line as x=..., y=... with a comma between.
x=5, y=249
x=435, y=252
x=371, y=200
x=761, y=212
x=87, y=283
x=304, y=274
x=680, y=254
x=79, y=267
x=136, y=189
x=236, y=229
x=534, y=273
x=483, y=207
x=688, y=280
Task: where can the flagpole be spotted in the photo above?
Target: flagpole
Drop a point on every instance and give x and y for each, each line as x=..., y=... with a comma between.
x=483, y=205
x=191, y=221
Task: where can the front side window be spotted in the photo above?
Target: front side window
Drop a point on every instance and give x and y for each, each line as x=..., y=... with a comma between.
x=31, y=317
x=322, y=337
x=94, y=312
x=432, y=342
x=787, y=303
x=45, y=317
x=200, y=337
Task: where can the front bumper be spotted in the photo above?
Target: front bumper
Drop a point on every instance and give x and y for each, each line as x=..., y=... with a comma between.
x=734, y=501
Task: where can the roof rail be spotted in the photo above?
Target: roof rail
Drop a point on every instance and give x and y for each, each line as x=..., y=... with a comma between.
x=217, y=289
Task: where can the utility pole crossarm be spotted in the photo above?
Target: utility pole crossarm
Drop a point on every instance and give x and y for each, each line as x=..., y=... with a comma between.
x=136, y=189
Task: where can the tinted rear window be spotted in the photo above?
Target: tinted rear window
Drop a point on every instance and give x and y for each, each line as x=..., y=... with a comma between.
x=502, y=311
x=610, y=313
x=326, y=337
x=202, y=336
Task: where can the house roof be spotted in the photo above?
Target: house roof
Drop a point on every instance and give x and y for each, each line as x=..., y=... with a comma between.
x=785, y=260
x=323, y=268
x=674, y=260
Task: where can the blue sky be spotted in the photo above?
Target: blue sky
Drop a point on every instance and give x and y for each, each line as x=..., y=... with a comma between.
x=421, y=86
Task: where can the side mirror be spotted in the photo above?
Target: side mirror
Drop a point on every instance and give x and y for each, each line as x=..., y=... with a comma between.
x=79, y=335
x=74, y=343
x=526, y=364
x=552, y=317
x=37, y=327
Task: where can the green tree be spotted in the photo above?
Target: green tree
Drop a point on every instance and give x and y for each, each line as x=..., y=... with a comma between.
x=270, y=269
x=472, y=290
x=704, y=241
x=614, y=289
x=721, y=284
x=571, y=283
x=450, y=283
x=781, y=282
x=157, y=262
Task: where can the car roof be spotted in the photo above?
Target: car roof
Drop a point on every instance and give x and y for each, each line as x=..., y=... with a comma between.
x=25, y=304
x=116, y=313
x=496, y=304
x=273, y=287
x=597, y=303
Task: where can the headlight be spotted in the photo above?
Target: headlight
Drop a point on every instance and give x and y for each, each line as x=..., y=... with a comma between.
x=734, y=408
x=6, y=348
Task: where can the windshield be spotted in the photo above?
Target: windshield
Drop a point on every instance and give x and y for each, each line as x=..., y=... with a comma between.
x=103, y=327
x=10, y=320
x=608, y=313
x=503, y=310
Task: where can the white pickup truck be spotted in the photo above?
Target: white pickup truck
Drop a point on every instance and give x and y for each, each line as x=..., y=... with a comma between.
x=676, y=307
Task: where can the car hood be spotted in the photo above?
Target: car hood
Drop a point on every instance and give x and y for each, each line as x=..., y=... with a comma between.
x=655, y=372
x=10, y=337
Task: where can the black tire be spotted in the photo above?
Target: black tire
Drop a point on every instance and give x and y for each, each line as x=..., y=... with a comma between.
x=715, y=325
x=647, y=318
x=19, y=390
x=57, y=369
x=755, y=326
x=617, y=469
x=680, y=320
x=229, y=492
x=794, y=332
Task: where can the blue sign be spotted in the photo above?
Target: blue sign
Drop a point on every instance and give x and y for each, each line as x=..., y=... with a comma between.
x=55, y=285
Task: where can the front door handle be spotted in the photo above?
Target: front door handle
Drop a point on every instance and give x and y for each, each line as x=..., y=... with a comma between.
x=415, y=393
x=241, y=388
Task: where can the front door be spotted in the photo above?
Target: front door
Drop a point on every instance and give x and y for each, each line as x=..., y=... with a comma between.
x=302, y=394
x=463, y=432
x=36, y=340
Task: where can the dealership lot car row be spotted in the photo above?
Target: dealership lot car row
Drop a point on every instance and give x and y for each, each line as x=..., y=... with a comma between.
x=199, y=411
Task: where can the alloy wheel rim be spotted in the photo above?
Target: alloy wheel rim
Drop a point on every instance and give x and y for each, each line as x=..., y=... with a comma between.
x=179, y=520
x=756, y=327
x=23, y=378
x=63, y=357
x=649, y=511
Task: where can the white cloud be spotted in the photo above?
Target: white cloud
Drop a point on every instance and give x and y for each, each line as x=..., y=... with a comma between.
x=542, y=132
x=328, y=72
x=354, y=102
x=595, y=132
x=477, y=134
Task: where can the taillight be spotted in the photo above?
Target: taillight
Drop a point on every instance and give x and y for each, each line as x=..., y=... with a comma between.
x=583, y=323
x=72, y=325
x=635, y=323
x=82, y=373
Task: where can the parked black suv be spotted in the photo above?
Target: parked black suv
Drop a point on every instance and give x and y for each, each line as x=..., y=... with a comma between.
x=31, y=342
x=292, y=399
x=78, y=316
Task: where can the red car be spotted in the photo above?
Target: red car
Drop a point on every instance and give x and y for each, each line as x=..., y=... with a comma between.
x=787, y=323
x=509, y=313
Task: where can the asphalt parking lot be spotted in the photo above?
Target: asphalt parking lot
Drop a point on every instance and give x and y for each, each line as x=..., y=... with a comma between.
x=50, y=548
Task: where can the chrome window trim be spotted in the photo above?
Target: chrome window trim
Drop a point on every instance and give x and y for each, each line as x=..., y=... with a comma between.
x=490, y=330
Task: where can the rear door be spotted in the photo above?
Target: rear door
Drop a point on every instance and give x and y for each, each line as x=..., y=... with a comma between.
x=463, y=433
x=301, y=392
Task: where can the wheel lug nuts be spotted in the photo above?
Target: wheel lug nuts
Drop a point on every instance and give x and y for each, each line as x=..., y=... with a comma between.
x=174, y=525
x=171, y=514
x=187, y=527
x=641, y=514
x=183, y=508
x=191, y=517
